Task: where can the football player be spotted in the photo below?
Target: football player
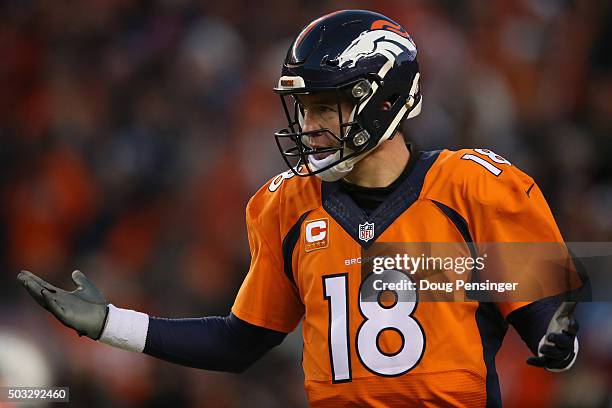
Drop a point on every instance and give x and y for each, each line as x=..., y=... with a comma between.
x=349, y=80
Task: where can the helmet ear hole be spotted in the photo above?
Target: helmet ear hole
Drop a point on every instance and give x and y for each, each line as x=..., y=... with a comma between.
x=386, y=105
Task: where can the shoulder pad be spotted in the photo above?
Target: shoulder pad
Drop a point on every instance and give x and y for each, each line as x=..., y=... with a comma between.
x=476, y=174
x=283, y=199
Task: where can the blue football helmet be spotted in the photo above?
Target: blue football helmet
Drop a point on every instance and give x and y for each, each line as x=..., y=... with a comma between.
x=355, y=54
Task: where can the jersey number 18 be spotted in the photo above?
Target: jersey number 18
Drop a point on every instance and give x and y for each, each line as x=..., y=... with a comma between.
x=378, y=318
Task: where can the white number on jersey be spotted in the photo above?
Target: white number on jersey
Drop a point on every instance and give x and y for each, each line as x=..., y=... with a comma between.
x=278, y=180
x=496, y=171
x=377, y=319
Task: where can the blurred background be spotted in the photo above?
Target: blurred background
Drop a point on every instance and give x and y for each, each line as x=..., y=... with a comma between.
x=132, y=134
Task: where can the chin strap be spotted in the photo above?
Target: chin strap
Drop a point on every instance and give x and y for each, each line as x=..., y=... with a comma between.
x=336, y=172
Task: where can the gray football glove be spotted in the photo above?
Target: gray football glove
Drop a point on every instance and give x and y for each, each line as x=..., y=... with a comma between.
x=84, y=309
x=556, y=351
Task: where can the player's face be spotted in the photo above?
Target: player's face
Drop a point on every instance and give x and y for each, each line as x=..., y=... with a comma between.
x=320, y=111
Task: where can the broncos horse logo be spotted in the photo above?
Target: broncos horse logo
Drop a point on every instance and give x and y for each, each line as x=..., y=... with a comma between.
x=382, y=39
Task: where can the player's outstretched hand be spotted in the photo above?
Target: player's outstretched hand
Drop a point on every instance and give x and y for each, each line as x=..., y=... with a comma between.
x=558, y=348
x=84, y=309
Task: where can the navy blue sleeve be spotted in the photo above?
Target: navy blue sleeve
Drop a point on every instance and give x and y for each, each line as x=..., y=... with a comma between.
x=211, y=343
x=531, y=321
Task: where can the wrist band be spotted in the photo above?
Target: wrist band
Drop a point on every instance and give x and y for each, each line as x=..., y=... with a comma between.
x=125, y=329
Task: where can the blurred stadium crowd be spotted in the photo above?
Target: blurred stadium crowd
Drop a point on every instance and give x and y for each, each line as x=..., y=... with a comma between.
x=134, y=132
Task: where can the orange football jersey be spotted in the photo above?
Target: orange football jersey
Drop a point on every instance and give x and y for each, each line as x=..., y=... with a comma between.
x=304, y=236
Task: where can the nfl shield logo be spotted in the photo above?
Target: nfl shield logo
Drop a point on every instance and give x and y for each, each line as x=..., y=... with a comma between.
x=366, y=231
